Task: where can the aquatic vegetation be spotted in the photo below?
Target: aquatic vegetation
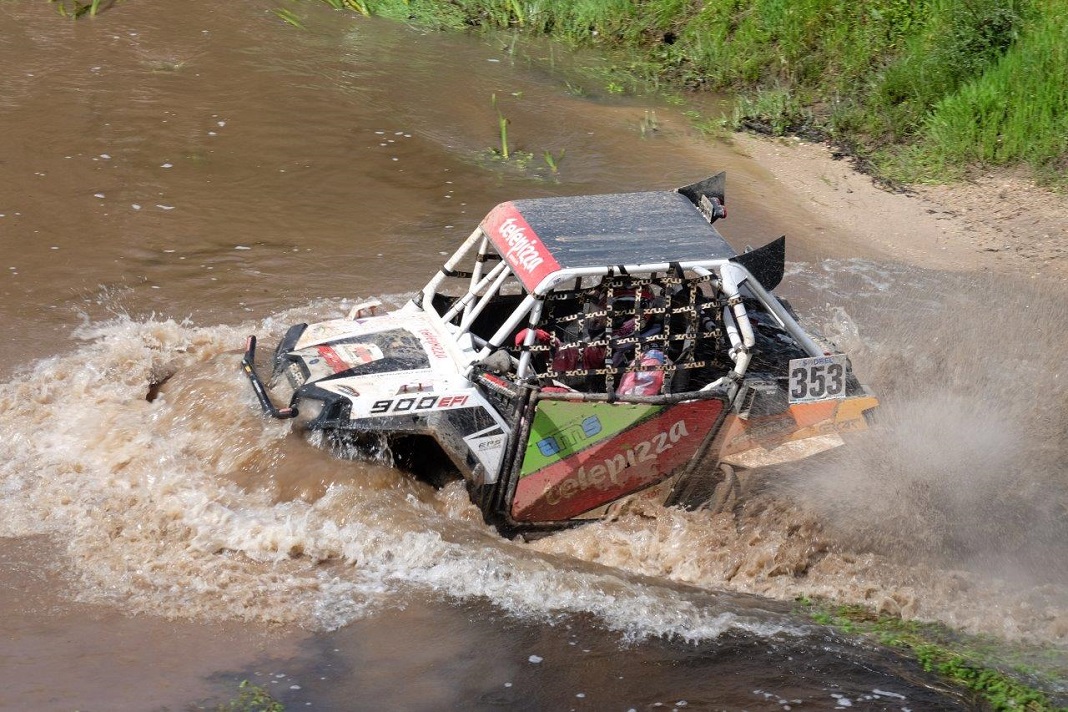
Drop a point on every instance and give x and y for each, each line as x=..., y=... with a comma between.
x=355, y=5
x=518, y=159
x=553, y=161
x=502, y=126
x=1005, y=676
x=649, y=124
x=251, y=698
x=75, y=9
x=289, y=18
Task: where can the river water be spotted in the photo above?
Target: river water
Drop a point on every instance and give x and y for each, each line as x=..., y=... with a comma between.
x=176, y=176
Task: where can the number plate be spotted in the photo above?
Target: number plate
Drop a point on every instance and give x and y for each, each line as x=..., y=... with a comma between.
x=819, y=378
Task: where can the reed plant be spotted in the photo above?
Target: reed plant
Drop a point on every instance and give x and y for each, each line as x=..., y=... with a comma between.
x=553, y=162
x=289, y=17
x=502, y=128
x=359, y=6
x=75, y=9
x=649, y=124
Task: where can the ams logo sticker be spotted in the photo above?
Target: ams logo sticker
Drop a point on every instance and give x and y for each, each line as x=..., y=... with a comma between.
x=568, y=438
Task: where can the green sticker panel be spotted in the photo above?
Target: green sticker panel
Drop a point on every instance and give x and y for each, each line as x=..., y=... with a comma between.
x=562, y=428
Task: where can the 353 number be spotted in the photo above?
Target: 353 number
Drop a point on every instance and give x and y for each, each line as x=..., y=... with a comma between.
x=817, y=378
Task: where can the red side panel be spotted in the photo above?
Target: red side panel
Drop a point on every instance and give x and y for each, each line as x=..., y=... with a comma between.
x=634, y=459
x=517, y=242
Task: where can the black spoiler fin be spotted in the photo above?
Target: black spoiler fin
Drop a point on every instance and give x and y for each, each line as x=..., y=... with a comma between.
x=767, y=263
x=709, y=195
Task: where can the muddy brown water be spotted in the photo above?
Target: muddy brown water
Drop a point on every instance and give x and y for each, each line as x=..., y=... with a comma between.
x=173, y=177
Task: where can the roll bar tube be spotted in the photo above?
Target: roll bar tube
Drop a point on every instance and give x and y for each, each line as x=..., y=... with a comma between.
x=475, y=290
x=476, y=273
x=524, y=358
x=510, y=325
x=448, y=267
x=470, y=314
x=788, y=322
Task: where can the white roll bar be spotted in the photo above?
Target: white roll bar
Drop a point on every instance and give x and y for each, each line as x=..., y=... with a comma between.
x=449, y=266
x=497, y=273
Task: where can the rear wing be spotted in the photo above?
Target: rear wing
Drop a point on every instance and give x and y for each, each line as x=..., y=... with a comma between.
x=767, y=263
x=708, y=195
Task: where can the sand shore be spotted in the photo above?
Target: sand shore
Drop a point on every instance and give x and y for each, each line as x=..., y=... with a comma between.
x=998, y=222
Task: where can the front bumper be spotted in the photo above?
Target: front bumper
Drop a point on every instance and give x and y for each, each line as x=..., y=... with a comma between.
x=248, y=364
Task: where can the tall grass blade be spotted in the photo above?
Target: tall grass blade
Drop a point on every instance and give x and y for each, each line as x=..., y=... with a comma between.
x=289, y=18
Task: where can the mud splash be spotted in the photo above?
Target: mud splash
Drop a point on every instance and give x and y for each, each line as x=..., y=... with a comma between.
x=951, y=509
x=969, y=464
x=192, y=505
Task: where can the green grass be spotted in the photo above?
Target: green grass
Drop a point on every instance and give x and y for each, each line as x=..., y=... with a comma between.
x=920, y=87
x=1013, y=112
x=1001, y=675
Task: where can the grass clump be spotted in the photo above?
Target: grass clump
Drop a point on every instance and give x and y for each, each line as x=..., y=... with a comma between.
x=1001, y=675
x=1017, y=111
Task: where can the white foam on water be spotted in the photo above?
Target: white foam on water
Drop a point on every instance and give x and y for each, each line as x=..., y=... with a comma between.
x=949, y=509
x=195, y=505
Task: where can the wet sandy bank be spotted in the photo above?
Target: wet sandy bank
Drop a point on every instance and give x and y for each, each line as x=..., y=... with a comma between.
x=996, y=222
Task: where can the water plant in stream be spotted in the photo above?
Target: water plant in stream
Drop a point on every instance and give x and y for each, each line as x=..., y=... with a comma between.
x=251, y=698
x=289, y=18
x=649, y=124
x=502, y=126
x=522, y=160
x=553, y=161
x=355, y=5
x=74, y=9
x=1003, y=675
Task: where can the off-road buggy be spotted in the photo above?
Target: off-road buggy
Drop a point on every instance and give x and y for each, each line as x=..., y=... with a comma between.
x=573, y=355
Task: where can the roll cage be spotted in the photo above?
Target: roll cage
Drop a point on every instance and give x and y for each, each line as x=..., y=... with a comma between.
x=696, y=312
